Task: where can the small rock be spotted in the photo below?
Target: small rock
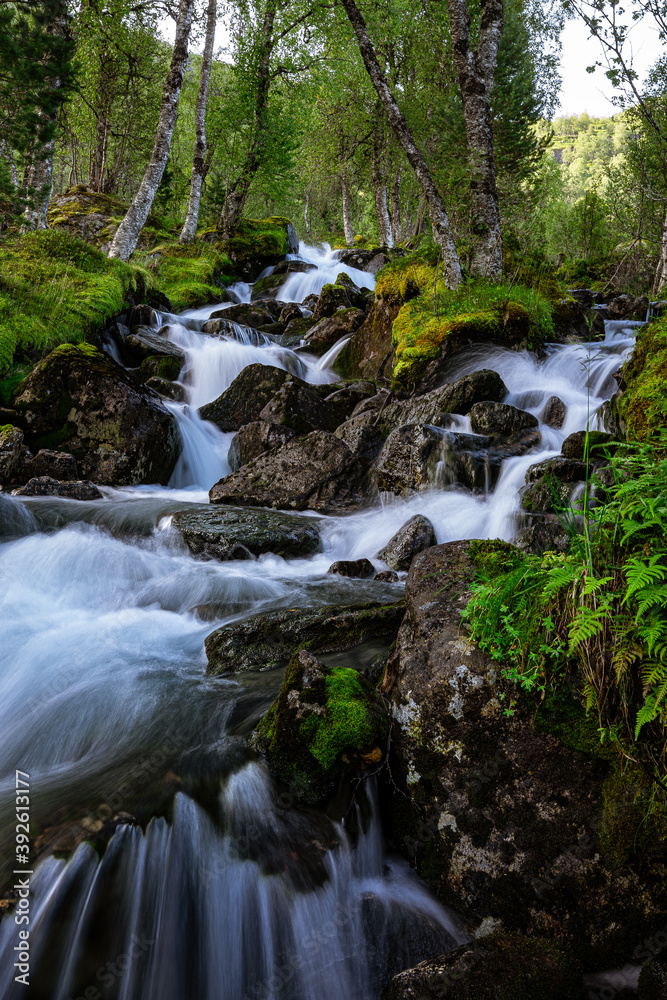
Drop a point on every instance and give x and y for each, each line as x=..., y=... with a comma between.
x=574, y=445
x=329, y=330
x=362, y=568
x=544, y=536
x=291, y=311
x=386, y=576
x=145, y=343
x=44, y=486
x=554, y=412
x=160, y=366
x=11, y=441
x=481, y=386
x=566, y=470
x=143, y=315
x=296, y=407
x=416, y=535
x=167, y=389
x=58, y=465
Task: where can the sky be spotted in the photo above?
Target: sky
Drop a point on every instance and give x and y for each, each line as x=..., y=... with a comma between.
x=591, y=92
x=581, y=91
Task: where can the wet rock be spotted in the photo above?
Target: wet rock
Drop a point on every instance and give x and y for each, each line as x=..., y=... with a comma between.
x=626, y=306
x=267, y=288
x=369, y=353
x=498, y=967
x=342, y=294
x=143, y=316
x=566, y=470
x=270, y=640
x=469, y=460
x=509, y=825
x=293, y=267
x=253, y=439
x=376, y=263
x=321, y=337
x=548, y=495
x=358, y=259
x=310, y=302
x=325, y=723
x=317, y=472
x=461, y=396
x=386, y=576
x=44, y=486
x=554, y=412
x=413, y=537
x=362, y=437
x=500, y=419
x=55, y=464
x=79, y=400
x=544, y=536
x=295, y=331
x=408, y=460
x=294, y=406
x=219, y=532
x=144, y=343
x=574, y=445
x=343, y=401
x=292, y=310
x=161, y=367
x=167, y=389
x=362, y=568
x=11, y=441
x=572, y=319
x=244, y=400
x=255, y=315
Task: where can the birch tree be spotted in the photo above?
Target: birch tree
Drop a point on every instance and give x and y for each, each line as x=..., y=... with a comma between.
x=199, y=162
x=442, y=232
x=475, y=70
x=127, y=235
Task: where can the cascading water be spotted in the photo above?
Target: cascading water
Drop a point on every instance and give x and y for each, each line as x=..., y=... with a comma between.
x=226, y=891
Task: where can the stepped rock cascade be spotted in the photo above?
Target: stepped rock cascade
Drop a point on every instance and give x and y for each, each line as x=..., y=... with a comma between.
x=211, y=882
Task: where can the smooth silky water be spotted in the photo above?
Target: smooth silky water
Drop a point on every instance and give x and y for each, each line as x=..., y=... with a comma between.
x=229, y=891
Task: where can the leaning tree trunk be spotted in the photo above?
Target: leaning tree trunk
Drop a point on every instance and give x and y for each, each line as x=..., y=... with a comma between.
x=125, y=240
x=442, y=232
x=475, y=70
x=239, y=188
x=199, y=161
x=347, y=218
x=661, y=276
x=396, y=205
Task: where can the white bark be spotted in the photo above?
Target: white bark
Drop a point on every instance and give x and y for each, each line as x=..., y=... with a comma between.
x=306, y=215
x=442, y=232
x=125, y=240
x=661, y=283
x=347, y=218
x=199, y=161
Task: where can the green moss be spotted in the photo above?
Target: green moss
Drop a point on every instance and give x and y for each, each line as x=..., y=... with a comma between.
x=54, y=288
x=494, y=556
x=189, y=274
x=643, y=405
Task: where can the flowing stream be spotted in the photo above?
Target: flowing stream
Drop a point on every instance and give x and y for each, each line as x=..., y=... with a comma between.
x=224, y=888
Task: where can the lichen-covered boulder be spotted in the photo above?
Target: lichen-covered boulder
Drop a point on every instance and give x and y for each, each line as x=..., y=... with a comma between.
x=408, y=460
x=267, y=288
x=45, y=486
x=256, y=315
x=162, y=366
x=514, y=812
x=244, y=400
x=325, y=723
x=271, y=640
x=79, y=400
x=167, y=389
x=574, y=446
x=316, y=472
x=414, y=536
x=369, y=353
x=329, y=331
x=56, y=464
x=295, y=406
x=11, y=441
x=341, y=294
x=253, y=439
x=223, y=533
x=543, y=536
x=362, y=436
x=498, y=967
x=461, y=396
x=565, y=470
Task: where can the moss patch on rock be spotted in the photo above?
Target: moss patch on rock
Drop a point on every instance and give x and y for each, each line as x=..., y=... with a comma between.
x=642, y=407
x=189, y=274
x=325, y=722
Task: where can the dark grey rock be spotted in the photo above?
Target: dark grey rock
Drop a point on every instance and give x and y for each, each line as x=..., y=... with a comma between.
x=218, y=533
x=543, y=536
x=408, y=459
x=361, y=568
x=386, y=576
x=253, y=439
x=44, y=486
x=244, y=400
x=500, y=419
x=58, y=465
x=413, y=537
x=554, y=412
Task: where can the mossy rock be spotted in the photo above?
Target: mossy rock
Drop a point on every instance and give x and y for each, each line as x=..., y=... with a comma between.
x=160, y=366
x=325, y=723
x=256, y=244
x=407, y=277
x=94, y=217
x=642, y=407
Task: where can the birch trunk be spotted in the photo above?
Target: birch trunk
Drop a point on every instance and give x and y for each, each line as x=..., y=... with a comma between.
x=661, y=277
x=199, y=161
x=475, y=70
x=442, y=232
x=380, y=188
x=125, y=240
x=347, y=219
x=396, y=206
x=306, y=215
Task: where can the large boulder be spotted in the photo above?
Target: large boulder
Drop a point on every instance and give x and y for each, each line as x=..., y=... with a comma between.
x=413, y=537
x=329, y=331
x=515, y=814
x=408, y=460
x=80, y=401
x=45, y=486
x=271, y=640
x=369, y=352
x=253, y=314
x=362, y=436
x=461, y=396
x=245, y=398
x=231, y=533
x=317, y=472
x=253, y=439
x=325, y=723
x=341, y=294
x=144, y=343
x=297, y=407
x=500, y=419
x=498, y=967
x=56, y=464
